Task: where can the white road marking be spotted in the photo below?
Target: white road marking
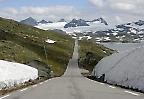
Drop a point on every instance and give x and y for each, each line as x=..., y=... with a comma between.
x=41, y=83
x=4, y=96
x=112, y=87
x=132, y=93
x=24, y=89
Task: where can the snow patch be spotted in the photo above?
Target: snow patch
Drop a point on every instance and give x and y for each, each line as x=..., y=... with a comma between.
x=50, y=41
x=98, y=39
x=87, y=37
x=115, y=34
x=14, y=73
x=74, y=37
x=107, y=38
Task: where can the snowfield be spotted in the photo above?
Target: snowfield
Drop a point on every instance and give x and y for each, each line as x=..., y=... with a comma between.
x=81, y=29
x=14, y=73
x=124, y=68
x=60, y=25
x=51, y=26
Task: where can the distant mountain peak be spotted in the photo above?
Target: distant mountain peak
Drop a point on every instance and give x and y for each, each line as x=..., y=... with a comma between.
x=30, y=21
x=75, y=23
x=31, y=18
x=50, y=21
x=43, y=22
x=62, y=20
x=102, y=20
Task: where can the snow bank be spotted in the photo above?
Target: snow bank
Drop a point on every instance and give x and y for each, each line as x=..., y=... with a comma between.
x=125, y=68
x=15, y=73
x=50, y=41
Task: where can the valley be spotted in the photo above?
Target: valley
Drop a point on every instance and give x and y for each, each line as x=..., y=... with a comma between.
x=71, y=49
x=48, y=51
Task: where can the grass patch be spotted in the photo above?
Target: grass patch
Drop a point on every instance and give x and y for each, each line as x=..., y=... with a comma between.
x=23, y=44
x=90, y=53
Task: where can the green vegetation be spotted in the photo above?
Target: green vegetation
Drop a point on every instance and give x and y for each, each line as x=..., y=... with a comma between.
x=91, y=53
x=24, y=44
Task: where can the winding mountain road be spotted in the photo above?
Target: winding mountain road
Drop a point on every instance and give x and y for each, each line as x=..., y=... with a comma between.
x=72, y=85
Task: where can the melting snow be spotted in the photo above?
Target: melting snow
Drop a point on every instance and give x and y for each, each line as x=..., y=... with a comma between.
x=15, y=73
x=88, y=37
x=115, y=34
x=107, y=38
x=50, y=41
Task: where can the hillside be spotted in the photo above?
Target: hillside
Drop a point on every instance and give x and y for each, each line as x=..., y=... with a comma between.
x=25, y=44
x=91, y=53
x=132, y=32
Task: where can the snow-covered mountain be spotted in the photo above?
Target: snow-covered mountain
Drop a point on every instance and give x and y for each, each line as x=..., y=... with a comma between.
x=81, y=22
x=43, y=22
x=29, y=21
x=133, y=31
x=99, y=20
x=15, y=73
x=76, y=23
x=99, y=29
x=129, y=32
x=76, y=26
x=131, y=28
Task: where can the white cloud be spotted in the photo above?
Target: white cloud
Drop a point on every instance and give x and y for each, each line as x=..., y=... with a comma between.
x=99, y=3
x=53, y=12
x=115, y=11
x=118, y=5
x=47, y=10
x=10, y=11
x=119, y=11
x=118, y=19
x=124, y=6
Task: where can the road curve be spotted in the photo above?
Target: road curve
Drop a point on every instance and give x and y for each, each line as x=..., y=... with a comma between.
x=72, y=85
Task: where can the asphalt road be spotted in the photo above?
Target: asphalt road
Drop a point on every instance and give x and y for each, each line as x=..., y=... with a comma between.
x=72, y=85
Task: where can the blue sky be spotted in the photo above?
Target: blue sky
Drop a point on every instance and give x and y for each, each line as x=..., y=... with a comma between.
x=116, y=11
x=20, y=3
